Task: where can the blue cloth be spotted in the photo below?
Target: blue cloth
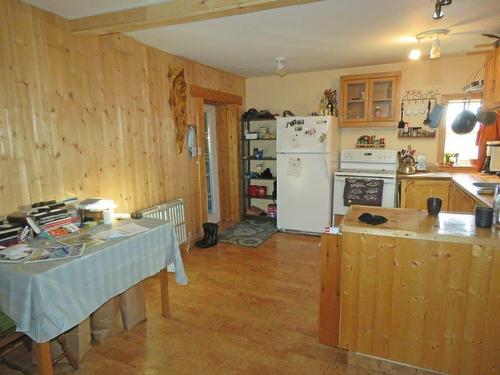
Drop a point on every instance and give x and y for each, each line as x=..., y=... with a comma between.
x=46, y=299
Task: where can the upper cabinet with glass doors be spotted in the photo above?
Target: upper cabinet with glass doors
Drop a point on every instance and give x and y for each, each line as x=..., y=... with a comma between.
x=369, y=99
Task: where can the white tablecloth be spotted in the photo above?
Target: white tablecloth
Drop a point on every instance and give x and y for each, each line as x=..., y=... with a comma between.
x=46, y=299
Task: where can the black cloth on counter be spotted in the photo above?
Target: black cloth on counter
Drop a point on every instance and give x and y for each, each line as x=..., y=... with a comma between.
x=363, y=191
x=368, y=218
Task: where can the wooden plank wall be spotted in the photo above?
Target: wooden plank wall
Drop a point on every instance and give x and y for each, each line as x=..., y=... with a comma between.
x=89, y=116
x=428, y=303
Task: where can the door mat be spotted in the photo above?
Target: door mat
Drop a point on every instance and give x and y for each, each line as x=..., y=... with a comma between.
x=249, y=233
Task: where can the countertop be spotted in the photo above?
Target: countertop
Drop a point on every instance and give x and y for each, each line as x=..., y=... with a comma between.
x=463, y=180
x=418, y=224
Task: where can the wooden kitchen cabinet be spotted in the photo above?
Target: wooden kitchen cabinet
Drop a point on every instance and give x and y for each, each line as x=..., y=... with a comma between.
x=369, y=99
x=414, y=193
x=491, y=95
x=459, y=201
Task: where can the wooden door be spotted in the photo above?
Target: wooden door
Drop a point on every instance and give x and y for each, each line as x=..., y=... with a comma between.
x=414, y=193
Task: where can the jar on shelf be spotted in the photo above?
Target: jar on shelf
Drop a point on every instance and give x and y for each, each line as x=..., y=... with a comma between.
x=378, y=112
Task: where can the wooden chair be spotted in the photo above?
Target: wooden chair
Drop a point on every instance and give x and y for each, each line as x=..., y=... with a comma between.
x=9, y=339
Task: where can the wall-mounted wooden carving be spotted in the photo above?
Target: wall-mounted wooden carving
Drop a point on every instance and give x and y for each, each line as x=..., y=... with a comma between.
x=177, y=101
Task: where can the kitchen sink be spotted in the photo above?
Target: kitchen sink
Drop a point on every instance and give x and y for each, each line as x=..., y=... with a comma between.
x=487, y=188
x=486, y=185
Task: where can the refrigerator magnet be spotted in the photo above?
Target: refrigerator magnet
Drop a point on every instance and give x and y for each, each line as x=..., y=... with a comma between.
x=310, y=131
x=322, y=138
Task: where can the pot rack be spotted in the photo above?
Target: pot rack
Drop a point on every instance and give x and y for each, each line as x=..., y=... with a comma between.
x=421, y=96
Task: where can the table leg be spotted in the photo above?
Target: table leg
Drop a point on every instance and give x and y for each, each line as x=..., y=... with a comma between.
x=165, y=309
x=42, y=351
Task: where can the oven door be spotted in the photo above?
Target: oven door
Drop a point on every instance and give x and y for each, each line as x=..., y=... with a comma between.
x=388, y=194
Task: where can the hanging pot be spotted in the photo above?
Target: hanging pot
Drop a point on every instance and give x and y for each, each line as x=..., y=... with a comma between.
x=465, y=121
x=486, y=117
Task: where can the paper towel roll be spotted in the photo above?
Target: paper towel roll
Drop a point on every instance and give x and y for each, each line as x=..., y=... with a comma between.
x=107, y=216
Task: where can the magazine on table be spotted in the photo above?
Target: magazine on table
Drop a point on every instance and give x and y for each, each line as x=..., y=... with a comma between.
x=15, y=254
x=56, y=253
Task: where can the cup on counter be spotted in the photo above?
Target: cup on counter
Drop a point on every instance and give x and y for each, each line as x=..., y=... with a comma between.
x=434, y=205
x=483, y=217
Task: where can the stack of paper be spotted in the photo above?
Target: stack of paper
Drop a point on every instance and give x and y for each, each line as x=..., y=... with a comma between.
x=125, y=230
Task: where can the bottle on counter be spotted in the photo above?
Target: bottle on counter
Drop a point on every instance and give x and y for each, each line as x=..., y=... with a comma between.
x=329, y=108
x=496, y=208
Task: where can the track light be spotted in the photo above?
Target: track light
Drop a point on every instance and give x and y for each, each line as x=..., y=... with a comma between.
x=435, y=52
x=280, y=67
x=436, y=48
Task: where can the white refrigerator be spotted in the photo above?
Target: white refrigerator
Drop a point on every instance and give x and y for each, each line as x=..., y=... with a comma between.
x=308, y=155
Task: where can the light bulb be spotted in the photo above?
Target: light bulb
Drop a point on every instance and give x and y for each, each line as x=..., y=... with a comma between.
x=436, y=48
x=414, y=54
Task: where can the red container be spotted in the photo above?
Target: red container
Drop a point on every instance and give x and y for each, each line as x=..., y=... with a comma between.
x=262, y=193
x=253, y=190
x=272, y=210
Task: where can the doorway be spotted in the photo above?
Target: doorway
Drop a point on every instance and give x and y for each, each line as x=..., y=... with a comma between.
x=211, y=163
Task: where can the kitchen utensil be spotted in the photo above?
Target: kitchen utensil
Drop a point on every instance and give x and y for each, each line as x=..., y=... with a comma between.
x=465, y=121
x=401, y=123
x=483, y=217
x=407, y=165
x=427, y=120
x=486, y=117
x=434, y=205
x=435, y=115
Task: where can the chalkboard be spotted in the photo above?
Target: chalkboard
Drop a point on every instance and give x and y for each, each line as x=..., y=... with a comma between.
x=367, y=192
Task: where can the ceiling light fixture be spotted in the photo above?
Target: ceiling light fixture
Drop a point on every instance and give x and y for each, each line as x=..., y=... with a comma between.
x=280, y=66
x=438, y=11
x=436, y=43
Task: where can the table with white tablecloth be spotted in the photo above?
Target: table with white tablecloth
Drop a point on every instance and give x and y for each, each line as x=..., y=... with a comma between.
x=46, y=299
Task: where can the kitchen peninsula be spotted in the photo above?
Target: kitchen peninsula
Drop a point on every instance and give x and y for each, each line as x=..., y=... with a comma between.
x=421, y=290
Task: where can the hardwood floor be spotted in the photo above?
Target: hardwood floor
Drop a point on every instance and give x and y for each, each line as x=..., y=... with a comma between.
x=245, y=311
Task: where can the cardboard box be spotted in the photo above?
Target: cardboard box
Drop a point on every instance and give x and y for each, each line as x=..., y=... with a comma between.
x=106, y=320
x=78, y=339
x=133, y=306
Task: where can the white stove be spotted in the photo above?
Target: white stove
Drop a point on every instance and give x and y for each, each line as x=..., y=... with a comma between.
x=366, y=164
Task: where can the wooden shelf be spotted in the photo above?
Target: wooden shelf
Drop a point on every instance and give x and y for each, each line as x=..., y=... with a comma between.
x=262, y=119
x=382, y=100
x=260, y=178
x=260, y=139
x=417, y=136
x=267, y=197
x=267, y=158
x=356, y=101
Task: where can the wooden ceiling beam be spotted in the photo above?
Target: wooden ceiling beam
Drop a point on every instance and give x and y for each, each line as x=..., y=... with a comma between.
x=172, y=12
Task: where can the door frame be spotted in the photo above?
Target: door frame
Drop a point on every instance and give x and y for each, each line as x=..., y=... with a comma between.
x=234, y=105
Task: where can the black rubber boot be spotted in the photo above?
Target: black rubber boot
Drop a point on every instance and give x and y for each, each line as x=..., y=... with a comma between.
x=212, y=230
x=206, y=236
